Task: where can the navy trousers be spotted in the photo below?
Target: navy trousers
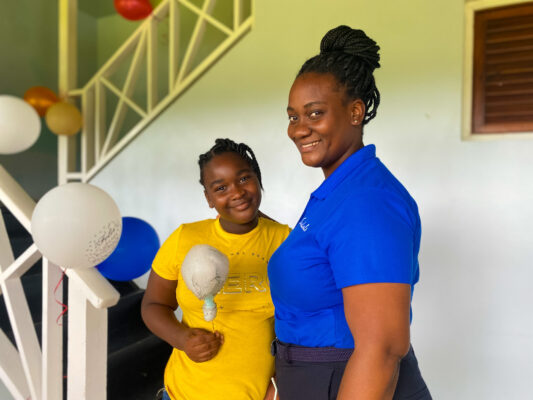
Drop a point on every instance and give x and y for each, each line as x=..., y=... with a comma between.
x=298, y=380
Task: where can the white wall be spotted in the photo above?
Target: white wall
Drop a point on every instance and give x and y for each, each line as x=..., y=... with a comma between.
x=473, y=325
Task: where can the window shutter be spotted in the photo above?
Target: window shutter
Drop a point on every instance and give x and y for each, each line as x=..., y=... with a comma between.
x=503, y=70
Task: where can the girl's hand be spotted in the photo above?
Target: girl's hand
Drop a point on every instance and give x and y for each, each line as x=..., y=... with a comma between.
x=201, y=345
x=158, y=306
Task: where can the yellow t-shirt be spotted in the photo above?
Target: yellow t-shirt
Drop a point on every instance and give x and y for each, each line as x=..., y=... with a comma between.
x=243, y=366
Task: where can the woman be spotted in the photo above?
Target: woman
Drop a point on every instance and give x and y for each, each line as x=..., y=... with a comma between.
x=342, y=282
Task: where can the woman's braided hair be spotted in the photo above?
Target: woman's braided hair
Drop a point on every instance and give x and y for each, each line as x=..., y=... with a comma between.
x=351, y=57
x=229, y=146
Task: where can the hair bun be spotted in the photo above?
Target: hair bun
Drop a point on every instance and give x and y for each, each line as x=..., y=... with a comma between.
x=350, y=41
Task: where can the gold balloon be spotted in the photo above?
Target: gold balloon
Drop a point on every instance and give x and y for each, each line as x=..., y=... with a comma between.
x=40, y=98
x=63, y=119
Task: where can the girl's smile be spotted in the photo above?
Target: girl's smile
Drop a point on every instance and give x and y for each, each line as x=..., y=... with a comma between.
x=232, y=188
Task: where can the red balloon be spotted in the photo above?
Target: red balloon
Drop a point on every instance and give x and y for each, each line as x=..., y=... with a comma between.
x=133, y=10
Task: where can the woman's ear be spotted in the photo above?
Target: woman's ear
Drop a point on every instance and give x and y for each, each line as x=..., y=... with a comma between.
x=208, y=198
x=357, y=108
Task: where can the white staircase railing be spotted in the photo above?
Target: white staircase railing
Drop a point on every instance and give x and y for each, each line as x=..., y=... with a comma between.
x=106, y=130
x=30, y=371
x=33, y=371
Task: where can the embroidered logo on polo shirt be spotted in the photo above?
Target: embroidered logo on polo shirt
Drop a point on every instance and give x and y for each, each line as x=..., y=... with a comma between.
x=304, y=224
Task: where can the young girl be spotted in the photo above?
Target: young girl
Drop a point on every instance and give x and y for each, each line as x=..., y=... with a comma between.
x=228, y=357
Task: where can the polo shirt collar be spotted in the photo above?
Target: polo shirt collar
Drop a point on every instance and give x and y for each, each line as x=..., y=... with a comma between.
x=343, y=170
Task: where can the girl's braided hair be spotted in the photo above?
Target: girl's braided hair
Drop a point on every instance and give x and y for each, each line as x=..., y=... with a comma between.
x=229, y=146
x=351, y=57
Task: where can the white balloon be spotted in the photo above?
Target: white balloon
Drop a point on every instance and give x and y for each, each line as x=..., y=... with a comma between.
x=76, y=225
x=20, y=125
x=205, y=270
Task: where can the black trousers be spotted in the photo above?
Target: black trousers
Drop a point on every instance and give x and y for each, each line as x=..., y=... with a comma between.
x=298, y=380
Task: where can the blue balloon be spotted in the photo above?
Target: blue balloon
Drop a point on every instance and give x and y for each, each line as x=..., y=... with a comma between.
x=134, y=253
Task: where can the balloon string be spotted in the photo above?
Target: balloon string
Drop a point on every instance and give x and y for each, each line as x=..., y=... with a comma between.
x=65, y=308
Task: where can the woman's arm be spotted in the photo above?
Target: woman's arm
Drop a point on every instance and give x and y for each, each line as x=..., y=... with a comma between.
x=157, y=310
x=378, y=317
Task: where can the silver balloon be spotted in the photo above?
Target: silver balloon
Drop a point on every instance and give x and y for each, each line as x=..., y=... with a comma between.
x=205, y=270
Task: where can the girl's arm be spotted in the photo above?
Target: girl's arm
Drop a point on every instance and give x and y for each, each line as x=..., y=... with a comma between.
x=271, y=391
x=157, y=310
x=378, y=317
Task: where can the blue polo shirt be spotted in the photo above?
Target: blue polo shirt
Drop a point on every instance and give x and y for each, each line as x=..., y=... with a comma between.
x=360, y=226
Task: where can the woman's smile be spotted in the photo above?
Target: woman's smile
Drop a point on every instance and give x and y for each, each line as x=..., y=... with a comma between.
x=322, y=123
x=308, y=147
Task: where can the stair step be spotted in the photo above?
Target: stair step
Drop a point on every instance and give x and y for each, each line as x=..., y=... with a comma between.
x=19, y=244
x=31, y=285
x=13, y=226
x=125, y=288
x=125, y=325
x=136, y=371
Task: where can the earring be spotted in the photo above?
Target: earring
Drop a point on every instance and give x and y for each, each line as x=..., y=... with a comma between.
x=355, y=121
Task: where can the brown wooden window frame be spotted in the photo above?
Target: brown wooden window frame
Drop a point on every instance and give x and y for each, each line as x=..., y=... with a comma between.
x=479, y=121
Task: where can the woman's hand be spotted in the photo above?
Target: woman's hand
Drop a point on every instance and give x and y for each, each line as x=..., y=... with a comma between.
x=201, y=345
x=378, y=317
